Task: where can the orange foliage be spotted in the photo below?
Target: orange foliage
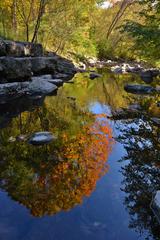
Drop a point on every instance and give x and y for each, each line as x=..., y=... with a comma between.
x=84, y=161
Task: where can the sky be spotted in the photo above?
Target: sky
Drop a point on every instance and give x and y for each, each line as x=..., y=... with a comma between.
x=106, y=4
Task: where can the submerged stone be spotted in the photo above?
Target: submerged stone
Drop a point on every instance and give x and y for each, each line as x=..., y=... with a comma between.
x=41, y=138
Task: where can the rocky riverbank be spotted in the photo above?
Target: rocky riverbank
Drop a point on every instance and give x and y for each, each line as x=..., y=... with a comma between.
x=26, y=70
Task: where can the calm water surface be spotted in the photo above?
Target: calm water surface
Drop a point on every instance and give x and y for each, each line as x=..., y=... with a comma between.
x=96, y=180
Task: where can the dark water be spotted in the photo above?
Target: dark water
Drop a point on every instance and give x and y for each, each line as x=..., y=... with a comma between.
x=96, y=180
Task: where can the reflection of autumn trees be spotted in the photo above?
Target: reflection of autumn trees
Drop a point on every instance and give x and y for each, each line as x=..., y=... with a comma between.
x=56, y=177
x=141, y=174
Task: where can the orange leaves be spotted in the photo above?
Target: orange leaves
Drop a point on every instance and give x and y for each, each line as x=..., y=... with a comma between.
x=83, y=160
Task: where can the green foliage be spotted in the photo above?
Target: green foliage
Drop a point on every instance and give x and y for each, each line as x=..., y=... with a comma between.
x=79, y=29
x=145, y=33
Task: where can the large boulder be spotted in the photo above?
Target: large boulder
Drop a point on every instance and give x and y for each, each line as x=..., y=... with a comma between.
x=21, y=69
x=52, y=65
x=20, y=49
x=13, y=69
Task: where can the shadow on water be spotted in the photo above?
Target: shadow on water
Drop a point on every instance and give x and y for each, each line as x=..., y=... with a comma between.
x=57, y=177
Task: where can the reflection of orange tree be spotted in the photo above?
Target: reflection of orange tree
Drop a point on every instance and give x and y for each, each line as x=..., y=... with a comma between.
x=85, y=162
x=46, y=187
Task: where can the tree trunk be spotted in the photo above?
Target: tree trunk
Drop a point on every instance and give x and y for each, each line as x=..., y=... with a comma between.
x=14, y=16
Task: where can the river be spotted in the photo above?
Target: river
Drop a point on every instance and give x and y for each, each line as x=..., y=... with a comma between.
x=97, y=179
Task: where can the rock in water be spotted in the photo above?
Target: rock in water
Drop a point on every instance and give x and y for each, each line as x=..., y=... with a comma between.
x=95, y=75
x=41, y=138
x=155, y=205
x=139, y=89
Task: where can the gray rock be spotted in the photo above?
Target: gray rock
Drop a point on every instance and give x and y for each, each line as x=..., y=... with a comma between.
x=13, y=69
x=38, y=86
x=116, y=69
x=41, y=138
x=146, y=76
x=94, y=75
x=155, y=205
x=58, y=66
x=41, y=86
x=139, y=89
x=62, y=76
x=2, y=48
x=20, y=49
x=43, y=65
x=43, y=77
x=57, y=82
x=21, y=69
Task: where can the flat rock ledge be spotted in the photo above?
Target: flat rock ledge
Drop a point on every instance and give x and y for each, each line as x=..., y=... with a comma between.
x=39, y=85
x=155, y=205
x=19, y=61
x=21, y=69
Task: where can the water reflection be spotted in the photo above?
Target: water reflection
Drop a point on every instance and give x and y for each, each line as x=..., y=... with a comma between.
x=58, y=176
x=48, y=180
x=141, y=173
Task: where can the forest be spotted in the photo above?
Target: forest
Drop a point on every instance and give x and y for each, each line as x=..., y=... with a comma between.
x=79, y=119
x=126, y=29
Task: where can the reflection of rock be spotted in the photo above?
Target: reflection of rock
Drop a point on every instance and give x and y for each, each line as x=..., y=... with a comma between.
x=139, y=89
x=94, y=75
x=41, y=138
x=13, y=108
x=155, y=205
